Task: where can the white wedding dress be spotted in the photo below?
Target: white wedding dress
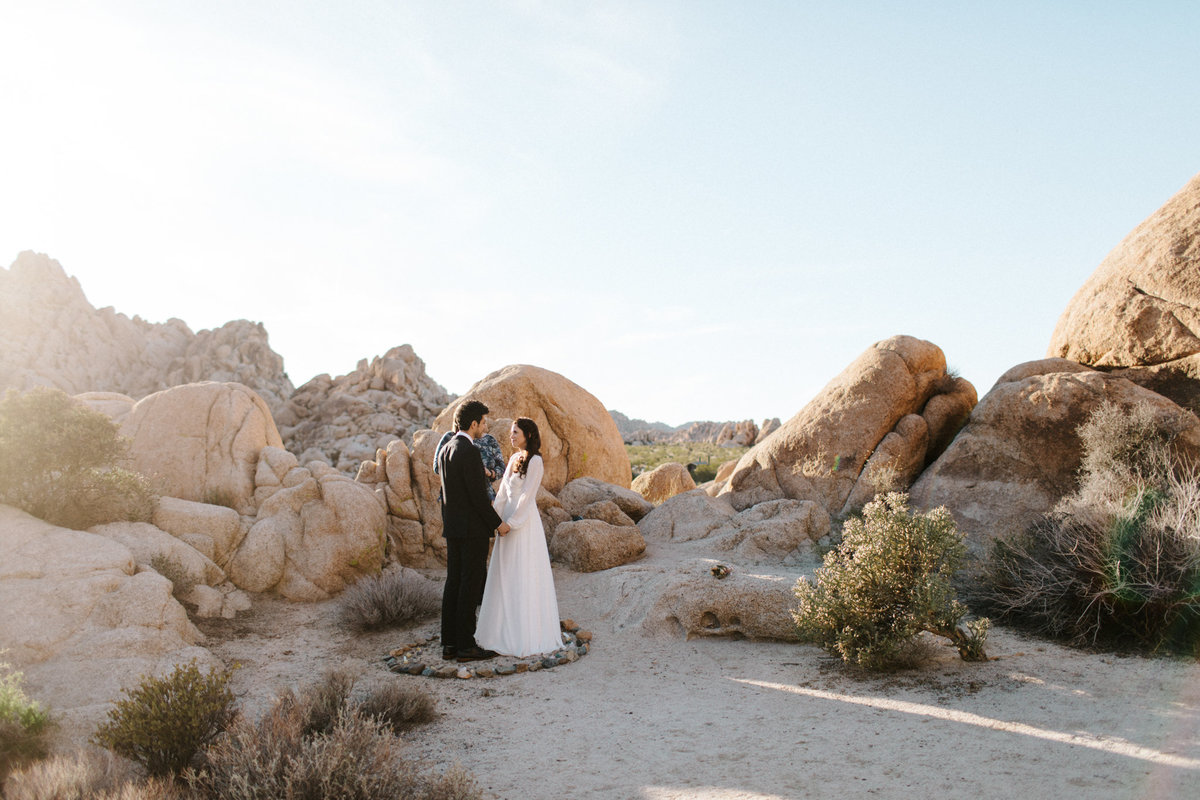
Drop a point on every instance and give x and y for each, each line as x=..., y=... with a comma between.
x=519, y=615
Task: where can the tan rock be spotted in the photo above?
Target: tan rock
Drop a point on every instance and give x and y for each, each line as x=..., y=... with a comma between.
x=663, y=482
x=201, y=441
x=582, y=492
x=579, y=437
x=1141, y=306
x=1019, y=453
x=745, y=604
x=820, y=453
x=591, y=545
x=768, y=427
x=221, y=526
x=606, y=511
x=725, y=470
x=81, y=622
x=156, y=549
x=686, y=517
x=775, y=532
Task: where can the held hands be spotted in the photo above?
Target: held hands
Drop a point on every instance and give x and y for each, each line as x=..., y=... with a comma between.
x=503, y=529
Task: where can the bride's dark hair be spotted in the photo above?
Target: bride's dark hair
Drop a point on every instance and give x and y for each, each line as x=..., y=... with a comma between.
x=533, y=442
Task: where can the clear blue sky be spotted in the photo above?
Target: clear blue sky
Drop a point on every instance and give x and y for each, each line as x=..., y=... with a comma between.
x=695, y=210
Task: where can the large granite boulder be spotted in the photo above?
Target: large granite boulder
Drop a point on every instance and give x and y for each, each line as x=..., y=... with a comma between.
x=54, y=337
x=82, y=622
x=820, y=453
x=215, y=531
x=317, y=531
x=579, y=437
x=591, y=545
x=201, y=442
x=346, y=420
x=663, y=482
x=693, y=602
x=1139, y=312
x=1019, y=453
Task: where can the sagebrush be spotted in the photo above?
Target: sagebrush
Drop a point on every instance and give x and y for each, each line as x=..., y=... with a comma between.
x=887, y=582
x=1116, y=563
x=59, y=461
x=395, y=597
x=88, y=775
x=24, y=724
x=162, y=723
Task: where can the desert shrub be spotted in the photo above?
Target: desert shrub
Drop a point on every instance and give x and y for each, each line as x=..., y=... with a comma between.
x=297, y=750
x=162, y=723
x=397, y=596
x=1117, y=563
x=87, y=775
x=398, y=706
x=889, y=580
x=58, y=462
x=221, y=497
x=645, y=457
x=24, y=724
x=181, y=581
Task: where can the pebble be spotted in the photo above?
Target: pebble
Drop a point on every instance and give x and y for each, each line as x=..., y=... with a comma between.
x=416, y=669
x=485, y=672
x=447, y=672
x=506, y=669
x=535, y=666
x=584, y=636
x=569, y=625
x=464, y=673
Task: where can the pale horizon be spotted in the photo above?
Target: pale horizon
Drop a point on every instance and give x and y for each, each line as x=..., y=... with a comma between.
x=695, y=211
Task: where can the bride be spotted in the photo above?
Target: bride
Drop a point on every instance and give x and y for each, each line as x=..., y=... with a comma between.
x=519, y=615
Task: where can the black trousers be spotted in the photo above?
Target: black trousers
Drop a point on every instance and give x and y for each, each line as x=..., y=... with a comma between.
x=466, y=571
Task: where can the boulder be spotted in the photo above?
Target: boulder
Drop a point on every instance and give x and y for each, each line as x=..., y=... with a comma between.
x=582, y=492
x=663, y=482
x=82, y=622
x=186, y=520
x=317, y=533
x=768, y=427
x=113, y=405
x=606, y=511
x=752, y=605
x=579, y=437
x=686, y=517
x=592, y=545
x=1141, y=307
x=1019, y=453
x=820, y=453
x=174, y=559
x=201, y=441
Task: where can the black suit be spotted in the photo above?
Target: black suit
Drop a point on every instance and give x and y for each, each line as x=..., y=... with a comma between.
x=468, y=522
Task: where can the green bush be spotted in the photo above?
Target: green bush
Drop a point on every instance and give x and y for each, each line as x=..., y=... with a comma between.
x=24, y=725
x=1117, y=563
x=889, y=580
x=397, y=596
x=706, y=456
x=163, y=723
x=58, y=462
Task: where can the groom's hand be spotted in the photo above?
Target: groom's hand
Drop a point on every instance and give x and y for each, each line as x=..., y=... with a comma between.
x=503, y=529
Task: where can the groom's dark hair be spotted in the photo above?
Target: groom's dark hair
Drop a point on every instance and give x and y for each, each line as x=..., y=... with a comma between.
x=468, y=414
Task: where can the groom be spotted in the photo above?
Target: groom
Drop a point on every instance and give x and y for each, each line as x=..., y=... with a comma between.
x=468, y=521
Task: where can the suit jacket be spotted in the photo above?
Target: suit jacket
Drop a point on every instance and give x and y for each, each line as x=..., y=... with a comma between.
x=466, y=508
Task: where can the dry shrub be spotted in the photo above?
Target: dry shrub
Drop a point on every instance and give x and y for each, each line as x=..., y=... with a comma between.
x=299, y=752
x=87, y=775
x=162, y=723
x=1117, y=563
x=398, y=706
x=889, y=580
x=397, y=596
x=58, y=462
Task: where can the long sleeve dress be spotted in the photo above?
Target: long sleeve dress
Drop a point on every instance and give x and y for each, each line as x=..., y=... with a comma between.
x=519, y=614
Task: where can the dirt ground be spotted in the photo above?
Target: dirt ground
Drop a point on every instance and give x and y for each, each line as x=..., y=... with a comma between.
x=671, y=718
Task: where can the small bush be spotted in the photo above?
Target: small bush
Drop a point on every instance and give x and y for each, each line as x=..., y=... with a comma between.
x=181, y=581
x=397, y=596
x=398, y=707
x=221, y=497
x=1117, y=563
x=87, y=776
x=58, y=462
x=163, y=723
x=24, y=725
x=889, y=580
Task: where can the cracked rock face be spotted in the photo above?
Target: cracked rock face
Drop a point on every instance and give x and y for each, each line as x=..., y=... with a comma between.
x=1140, y=310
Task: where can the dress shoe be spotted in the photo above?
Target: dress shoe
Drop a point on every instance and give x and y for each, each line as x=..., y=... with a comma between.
x=449, y=653
x=475, y=654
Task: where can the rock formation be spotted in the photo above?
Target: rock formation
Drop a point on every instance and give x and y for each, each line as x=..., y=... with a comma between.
x=591, y=545
x=344, y=421
x=745, y=604
x=1138, y=315
x=663, y=482
x=822, y=453
x=579, y=438
x=54, y=337
x=1019, y=453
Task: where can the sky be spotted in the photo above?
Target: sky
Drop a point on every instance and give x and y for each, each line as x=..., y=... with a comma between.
x=694, y=210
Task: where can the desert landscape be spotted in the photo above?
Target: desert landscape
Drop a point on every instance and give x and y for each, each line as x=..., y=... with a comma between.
x=270, y=501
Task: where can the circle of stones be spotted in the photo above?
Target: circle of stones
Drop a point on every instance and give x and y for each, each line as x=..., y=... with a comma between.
x=415, y=659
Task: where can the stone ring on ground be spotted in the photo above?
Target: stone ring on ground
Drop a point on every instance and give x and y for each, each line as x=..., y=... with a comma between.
x=424, y=658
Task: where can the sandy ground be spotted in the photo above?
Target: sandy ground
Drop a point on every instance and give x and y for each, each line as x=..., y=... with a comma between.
x=667, y=718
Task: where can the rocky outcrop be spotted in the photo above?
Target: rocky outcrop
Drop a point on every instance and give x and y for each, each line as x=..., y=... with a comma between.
x=582, y=492
x=821, y=453
x=664, y=482
x=54, y=337
x=344, y=421
x=768, y=427
x=1019, y=453
x=81, y=621
x=694, y=602
x=201, y=442
x=1139, y=312
x=579, y=438
x=591, y=545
